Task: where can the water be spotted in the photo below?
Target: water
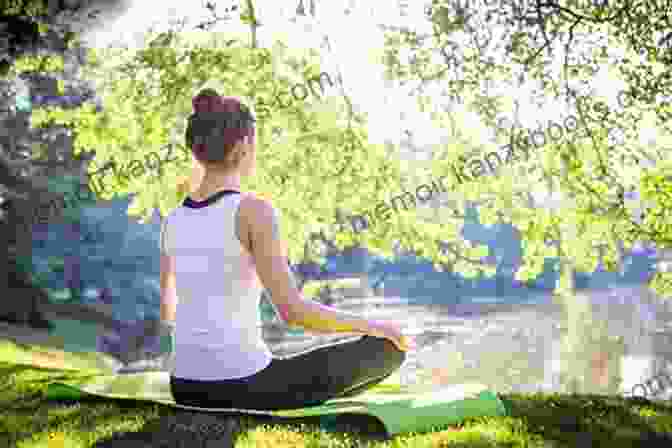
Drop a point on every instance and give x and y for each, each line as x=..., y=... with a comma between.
x=604, y=341
x=614, y=342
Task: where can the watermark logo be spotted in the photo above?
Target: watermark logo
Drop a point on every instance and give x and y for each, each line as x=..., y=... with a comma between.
x=653, y=387
x=154, y=161
x=296, y=89
x=527, y=5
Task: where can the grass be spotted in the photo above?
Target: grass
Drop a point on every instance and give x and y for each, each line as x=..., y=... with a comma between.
x=549, y=421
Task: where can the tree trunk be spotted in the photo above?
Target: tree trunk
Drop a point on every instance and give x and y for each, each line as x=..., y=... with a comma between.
x=20, y=300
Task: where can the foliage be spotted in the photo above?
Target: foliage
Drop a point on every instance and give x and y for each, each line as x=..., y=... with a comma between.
x=26, y=165
x=33, y=8
x=313, y=157
x=39, y=64
x=478, y=53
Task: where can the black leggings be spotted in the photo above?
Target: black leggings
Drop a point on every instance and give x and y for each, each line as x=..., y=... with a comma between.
x=306, y=379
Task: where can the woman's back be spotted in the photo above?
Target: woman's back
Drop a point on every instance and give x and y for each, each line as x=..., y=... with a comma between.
x=218, y=326
x=219, y=248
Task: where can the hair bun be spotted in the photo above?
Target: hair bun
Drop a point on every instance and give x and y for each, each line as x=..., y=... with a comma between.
x=209, y=100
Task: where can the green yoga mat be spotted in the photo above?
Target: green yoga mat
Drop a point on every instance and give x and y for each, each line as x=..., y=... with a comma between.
x=399, y=409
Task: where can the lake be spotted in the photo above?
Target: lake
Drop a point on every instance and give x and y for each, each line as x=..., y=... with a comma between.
x=611, y=342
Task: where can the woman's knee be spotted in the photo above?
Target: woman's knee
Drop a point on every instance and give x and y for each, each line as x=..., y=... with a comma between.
x=397, y=355
x=393, y=357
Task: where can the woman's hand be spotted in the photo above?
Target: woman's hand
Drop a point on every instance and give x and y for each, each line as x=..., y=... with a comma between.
x=393, y=333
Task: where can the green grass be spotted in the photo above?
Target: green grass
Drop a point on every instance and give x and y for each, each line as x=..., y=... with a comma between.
x=27, y=420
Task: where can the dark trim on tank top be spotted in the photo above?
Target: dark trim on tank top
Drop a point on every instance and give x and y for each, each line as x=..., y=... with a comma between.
x=191, y=203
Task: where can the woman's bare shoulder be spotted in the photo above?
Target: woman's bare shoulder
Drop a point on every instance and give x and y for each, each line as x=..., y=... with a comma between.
x=254, y=206
x=256, y=200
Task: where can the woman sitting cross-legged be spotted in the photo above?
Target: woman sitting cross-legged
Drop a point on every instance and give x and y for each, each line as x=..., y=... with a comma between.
x=217, y=250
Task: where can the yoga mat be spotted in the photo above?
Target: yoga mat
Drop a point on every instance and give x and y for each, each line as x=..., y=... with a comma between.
x=400, y=409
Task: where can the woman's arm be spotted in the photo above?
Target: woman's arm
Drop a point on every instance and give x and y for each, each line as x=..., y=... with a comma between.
x=270, y=257
x=167, y=279
x=166, y=323
x=168, y=291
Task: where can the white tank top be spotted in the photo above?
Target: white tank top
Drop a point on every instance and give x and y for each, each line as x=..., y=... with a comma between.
x=217, y=323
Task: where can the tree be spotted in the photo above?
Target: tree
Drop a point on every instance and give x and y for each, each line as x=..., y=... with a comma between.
x=593, y=169
x=27, y=160
x=297, y=141
x=147, y=98
x=597, y=166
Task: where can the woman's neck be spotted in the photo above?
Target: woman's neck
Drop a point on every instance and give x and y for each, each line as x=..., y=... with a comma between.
x=214, y=183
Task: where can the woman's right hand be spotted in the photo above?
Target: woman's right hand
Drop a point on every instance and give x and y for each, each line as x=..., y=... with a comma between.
x=393, y=333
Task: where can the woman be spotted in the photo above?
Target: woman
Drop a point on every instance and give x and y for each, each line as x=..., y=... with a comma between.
x=214, y=250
